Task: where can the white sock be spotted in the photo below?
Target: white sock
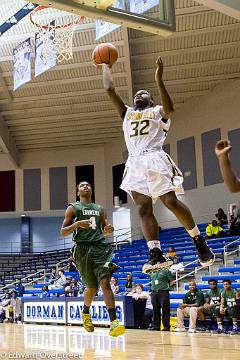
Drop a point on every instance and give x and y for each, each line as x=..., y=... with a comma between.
x=153, y=244
x=194, y=232
x=220, y=325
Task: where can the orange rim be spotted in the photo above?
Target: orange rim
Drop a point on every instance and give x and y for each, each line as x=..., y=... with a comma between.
x=47, y=27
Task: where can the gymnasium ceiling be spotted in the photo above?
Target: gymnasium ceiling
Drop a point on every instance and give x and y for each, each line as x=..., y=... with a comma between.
x=67, y=107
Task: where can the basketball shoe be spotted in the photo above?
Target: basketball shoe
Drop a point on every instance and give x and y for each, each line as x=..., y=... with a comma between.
x=156, y=262
x=116, y=329
x=87, y=322
x=206, y=256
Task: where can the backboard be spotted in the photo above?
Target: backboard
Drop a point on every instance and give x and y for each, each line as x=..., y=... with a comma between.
x=160, y=19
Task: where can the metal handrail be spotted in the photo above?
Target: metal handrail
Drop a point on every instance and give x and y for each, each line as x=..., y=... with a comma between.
x=26, y=277
x=225, y=253
x=60, y=262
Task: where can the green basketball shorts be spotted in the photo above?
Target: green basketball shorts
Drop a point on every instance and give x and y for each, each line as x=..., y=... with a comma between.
x=93, y=261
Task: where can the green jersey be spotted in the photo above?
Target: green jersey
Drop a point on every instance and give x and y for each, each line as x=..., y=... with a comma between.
x=229, y=297
x=214, y=296
x=160, y=280
x=94, y=213
x=196, y=297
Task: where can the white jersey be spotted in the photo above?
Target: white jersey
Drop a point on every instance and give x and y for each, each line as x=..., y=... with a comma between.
x=144, y=130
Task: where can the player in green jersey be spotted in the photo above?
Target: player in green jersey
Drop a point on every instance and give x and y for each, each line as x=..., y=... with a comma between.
x=92, y=255
x=228, y=307
x=212, y=303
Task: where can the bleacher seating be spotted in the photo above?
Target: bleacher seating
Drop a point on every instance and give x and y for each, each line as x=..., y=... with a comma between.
x=130, y=258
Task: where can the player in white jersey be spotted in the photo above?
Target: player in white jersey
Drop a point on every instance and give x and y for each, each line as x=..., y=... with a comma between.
x=150, y=173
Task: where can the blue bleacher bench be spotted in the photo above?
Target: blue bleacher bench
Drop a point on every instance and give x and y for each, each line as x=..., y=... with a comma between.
x=232, y=269
x=38, y=292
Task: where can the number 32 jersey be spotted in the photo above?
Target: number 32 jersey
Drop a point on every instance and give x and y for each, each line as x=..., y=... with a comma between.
x=145, y=129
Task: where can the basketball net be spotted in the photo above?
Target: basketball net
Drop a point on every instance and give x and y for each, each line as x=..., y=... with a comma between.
x=57, y=39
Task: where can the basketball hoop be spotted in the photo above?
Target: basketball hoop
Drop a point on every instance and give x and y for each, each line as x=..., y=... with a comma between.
x=58, y=38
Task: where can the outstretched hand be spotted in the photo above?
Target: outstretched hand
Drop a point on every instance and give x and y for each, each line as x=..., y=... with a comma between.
x=159, y=70
x=222, y=148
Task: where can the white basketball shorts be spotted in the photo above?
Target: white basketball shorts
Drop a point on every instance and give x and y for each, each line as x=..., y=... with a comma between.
x=153, y=174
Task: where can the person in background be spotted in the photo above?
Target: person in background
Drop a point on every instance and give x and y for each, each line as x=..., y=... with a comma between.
x=67, y=290
x=222, y=217
x=171, y=252
x=45, y=292
x=60, y=283
x=74, y=287
x=114, y=285
x=161, y=281
x=212, y=303
x=213, y=230
x=129, y=283
x=53, y=276
x=20, y=289
x=138, y=293
x=193, y=299
x=222, y=151
x=234, y=229
x=4, y=304
x=13, y=310
x=176, y=266
x=140, y=300
x=228, y=307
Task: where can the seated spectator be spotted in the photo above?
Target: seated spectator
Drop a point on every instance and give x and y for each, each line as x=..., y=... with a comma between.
x=13, y=310
x=234, y=229
x=60, y=283
x=140, y=296
x=161, y=282
x=4, y=304
x=53, y=276
x=75, y=287
x=222, y=217
x=193, y=299
x=228, y=307
x=212, y=303
x=45, y=292
x=171, y=252
x=20, y=289
x=213, y=230
x=72, y=288
x=129, y=283
x=114, y=285
x=176, y=266
x=138, y=293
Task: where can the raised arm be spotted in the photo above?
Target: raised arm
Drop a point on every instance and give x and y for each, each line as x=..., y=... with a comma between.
x=222, y=150
x=167, y=103
x=109, y=87
x=69, y=226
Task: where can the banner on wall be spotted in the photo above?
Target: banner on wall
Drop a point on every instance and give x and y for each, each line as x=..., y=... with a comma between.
x=22, y=64
x=98, y=312
x=45, y=311
x=103, y=27
x=141, y=6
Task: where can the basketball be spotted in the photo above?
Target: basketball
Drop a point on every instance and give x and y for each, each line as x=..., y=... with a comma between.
x=105, y=54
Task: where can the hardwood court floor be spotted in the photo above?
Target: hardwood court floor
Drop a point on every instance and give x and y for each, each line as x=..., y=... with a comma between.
x=72, y=342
